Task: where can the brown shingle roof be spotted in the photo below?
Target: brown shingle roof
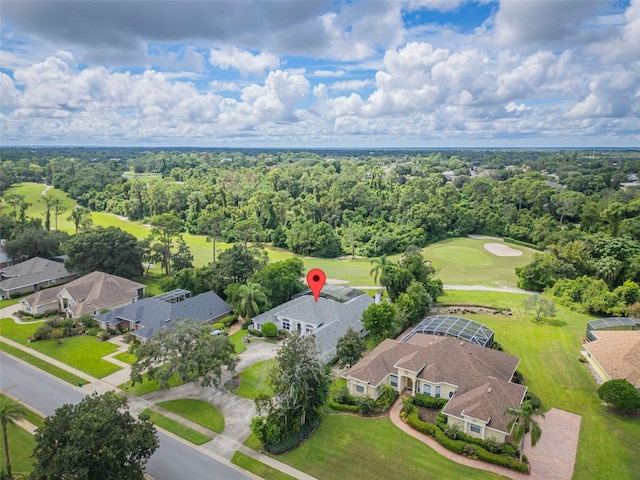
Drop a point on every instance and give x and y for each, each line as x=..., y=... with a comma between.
x=44, y=297
x=482, y=375
x=97, y=291
x=618, y=352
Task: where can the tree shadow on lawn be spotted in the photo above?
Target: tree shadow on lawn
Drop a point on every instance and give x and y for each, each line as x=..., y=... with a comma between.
x=551, y=322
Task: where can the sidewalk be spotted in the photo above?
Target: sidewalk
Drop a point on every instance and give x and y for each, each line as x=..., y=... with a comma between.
x=236, y=410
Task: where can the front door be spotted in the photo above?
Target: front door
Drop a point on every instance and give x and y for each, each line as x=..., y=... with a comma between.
x=410, y=384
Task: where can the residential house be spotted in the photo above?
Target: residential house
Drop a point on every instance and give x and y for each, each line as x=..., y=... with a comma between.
x=615, y=354
x=90, y=294
x=475, y=379
x=31, y=276
x=147, y=316
x=337, y=309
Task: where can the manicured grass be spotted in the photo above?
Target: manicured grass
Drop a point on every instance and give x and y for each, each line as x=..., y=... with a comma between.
x=608, y=446
x=345, y=446
x=126, y=357
x=147, y=386
x=10, y=301
x=83, y=352
x=237, y=339
x=152, y=282
x=30, y=416
x=255, y=466
x=198, y=411
x=42, y=365
x=253, y=380
x=21, y=445
x=33, y=194
x=176, y=428
x=253, y=443
x=465, y=261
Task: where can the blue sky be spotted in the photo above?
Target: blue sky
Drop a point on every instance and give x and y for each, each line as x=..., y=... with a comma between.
x=304, y=74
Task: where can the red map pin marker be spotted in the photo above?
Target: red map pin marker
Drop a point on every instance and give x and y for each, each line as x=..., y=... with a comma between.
x=316, y=279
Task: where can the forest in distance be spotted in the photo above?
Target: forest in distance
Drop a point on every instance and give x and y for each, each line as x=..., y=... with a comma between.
x=580, y=208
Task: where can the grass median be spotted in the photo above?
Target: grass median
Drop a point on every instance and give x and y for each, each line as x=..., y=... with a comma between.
x=257, y=467
x=177, y=428
x=42, y=364
x=198, y=411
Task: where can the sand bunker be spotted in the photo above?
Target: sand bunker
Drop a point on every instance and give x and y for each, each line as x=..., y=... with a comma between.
x=502, y=250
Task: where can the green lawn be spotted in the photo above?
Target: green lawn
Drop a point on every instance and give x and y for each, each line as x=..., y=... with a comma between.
x=126, y=357
x=42, y=365
x=198, y=411
x=237, y=339
x=21, y=445
x=257, y=467
x=33, y=194
x=609, y=444
x=465, y=261
x=253, y=380
x=30, y=416
x=176, y=428
x=10, y=301
x=346, y=446
x=147, y=386
x=83, y=352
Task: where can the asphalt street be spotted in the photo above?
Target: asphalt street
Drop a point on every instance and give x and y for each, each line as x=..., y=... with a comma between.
x=173, y=460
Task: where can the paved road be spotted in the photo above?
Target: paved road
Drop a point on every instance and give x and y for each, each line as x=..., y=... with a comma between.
x=171, y=461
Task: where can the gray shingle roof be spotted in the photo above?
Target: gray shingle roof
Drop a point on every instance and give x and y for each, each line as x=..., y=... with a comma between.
x=151, y=314
x=330, y=318
x=31, y=272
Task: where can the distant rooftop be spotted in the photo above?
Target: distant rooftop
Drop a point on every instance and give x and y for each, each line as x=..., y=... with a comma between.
x=458, y=327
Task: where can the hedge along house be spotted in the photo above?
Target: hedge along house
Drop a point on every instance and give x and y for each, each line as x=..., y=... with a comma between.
x=475, y=379
x=149, y=315
x=338, y=308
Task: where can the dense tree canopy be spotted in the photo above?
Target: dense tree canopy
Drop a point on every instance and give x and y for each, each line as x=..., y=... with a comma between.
x=97, y=439
x=109, y=250
x=186, y=349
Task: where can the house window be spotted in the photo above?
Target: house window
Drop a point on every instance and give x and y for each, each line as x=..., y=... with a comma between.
x=394, y=381
x=286, y=325
x=475, y=428
x=308, y=329
x=450, y=394
x=359, y=389
x=426, y=389
x=438, y=389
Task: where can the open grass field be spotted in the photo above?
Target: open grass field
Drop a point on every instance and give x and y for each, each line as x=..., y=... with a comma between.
x=21, y=445
x=83, y=352
x=176, y=428
x=198, y=411
x=253, y=380
x=255, y=466
x=609, y=444
x=346, y=446
x=465, y=261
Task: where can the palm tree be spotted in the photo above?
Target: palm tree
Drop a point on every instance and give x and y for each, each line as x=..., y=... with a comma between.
x=525, y=424
x=10, y=412
x=250, y=295
x=381, y=265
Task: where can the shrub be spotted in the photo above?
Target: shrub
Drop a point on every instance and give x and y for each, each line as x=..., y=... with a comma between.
x=270, y=330
x=342, y=407
x=429, y=402
x=502, y=460
x=229, y=320
x=453, y=431
x=386, y=399
x=536, y=403
x=408, y=406
x=620, y=393
x=448, y=443
x=366, y=406
x=42, y=333
x=218, y=326
x=255, y=333
x=93, y=331
x=294, y=439
x=342, y=396
x=57, y=334
x=470, y=450
x=103, y=335
x=414, y=422
x=87, y=322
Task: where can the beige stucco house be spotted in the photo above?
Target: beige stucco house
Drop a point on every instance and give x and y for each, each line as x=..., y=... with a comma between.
x=90, y=294
x=615, y=354
x=475, y=379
